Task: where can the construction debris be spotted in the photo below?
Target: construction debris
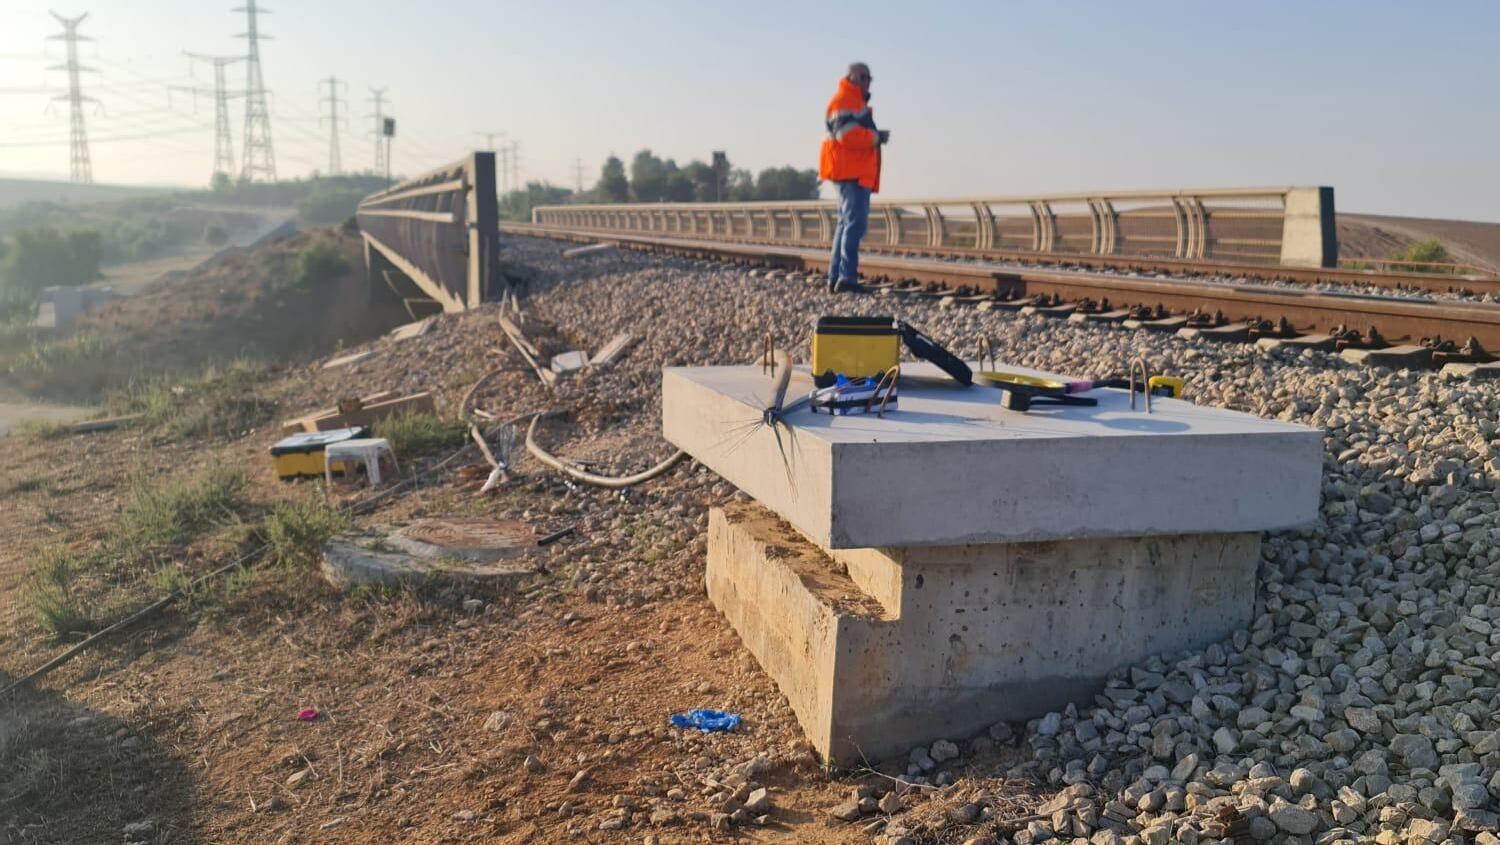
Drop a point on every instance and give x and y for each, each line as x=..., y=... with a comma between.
x=591, y=249
x=411, y=330
x=613, y=351
x=101, y=424
x=567, y=362
x=364, y=411
x=345, y=360
x=518, y=339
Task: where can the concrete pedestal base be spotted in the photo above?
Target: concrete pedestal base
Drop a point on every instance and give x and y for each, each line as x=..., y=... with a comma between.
x=880, y=650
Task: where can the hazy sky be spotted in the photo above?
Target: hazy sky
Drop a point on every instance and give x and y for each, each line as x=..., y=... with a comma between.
x=1395, y=104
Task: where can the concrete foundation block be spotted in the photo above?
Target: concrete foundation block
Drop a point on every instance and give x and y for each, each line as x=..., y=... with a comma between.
x=879, y=650
x=951, y=466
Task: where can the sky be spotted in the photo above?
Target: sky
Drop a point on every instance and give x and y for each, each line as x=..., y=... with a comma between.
x=1394, y=104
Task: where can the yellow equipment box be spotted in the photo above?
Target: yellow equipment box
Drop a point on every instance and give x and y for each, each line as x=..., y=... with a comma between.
x=857, y=347
x=301, y=455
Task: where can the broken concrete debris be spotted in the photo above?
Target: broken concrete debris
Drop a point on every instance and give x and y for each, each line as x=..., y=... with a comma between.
x=567, y=362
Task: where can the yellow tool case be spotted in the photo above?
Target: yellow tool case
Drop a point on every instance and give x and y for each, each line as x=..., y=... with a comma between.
x=857, y=347
x=301, y=455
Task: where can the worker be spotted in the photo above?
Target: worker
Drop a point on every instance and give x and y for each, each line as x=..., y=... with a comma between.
x=850, y=159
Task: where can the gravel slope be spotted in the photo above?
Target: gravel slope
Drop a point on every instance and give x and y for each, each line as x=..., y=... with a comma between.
x=1359, y=705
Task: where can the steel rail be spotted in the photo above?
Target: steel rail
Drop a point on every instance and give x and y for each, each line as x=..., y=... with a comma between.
x=1308, y=311
x=1428, y=282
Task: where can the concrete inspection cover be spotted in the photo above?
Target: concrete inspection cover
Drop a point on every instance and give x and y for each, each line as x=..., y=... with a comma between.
x=431, y=551
x=471, y=539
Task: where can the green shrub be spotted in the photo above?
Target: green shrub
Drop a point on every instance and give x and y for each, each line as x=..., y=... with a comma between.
x=296, y=530
x=318, y=261
x=50, y=595
x=417, y=433
x=214, y=234
x=220, y=401
x=157, y=516
x=47, y=357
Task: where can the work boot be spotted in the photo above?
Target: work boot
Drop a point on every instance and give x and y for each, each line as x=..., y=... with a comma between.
x=848, y=286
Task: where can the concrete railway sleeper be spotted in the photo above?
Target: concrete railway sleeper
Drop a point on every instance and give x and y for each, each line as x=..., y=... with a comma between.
x=1400, y=332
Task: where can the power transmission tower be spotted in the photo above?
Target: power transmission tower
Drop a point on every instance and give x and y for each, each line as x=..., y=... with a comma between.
x=80, y=168
x=515, y=169
x=578, y=172
x=333, y=83
x=223, y=143
x=260, y=156
x=378, y=98
x=503, y=171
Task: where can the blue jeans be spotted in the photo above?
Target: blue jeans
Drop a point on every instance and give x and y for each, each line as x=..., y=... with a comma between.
x=854, y=216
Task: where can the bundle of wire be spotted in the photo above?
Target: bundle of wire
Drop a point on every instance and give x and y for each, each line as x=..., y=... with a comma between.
x=854, y=396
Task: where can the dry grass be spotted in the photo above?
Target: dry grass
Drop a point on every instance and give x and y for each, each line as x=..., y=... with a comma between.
x=220, y=401
x=71, y=591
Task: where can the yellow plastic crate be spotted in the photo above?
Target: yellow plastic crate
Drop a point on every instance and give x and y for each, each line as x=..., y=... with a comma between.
x=301, y=455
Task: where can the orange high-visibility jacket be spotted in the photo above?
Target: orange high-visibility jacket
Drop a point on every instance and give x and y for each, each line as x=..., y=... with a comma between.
x=852, y=148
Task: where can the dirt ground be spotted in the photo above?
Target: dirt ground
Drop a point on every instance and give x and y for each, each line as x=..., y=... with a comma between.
x=186, y=729
x=1377, y=236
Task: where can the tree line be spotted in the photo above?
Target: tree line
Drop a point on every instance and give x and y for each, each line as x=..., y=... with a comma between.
x=651, y=178
x=35, y=258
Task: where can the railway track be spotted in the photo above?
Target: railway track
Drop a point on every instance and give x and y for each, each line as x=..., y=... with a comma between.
x=1420, y=332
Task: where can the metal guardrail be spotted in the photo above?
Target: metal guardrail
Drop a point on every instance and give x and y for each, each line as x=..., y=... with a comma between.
x=441, y=230
x=1289, y=226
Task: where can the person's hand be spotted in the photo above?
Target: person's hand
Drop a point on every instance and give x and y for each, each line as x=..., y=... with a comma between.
x=882, y=137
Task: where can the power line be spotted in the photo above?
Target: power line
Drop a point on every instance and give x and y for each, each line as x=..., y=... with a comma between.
x=80, y=167
x=100, y=140
x=504, y=169
x=260, y=155
x=223, y=144
x=333, y=82
x=377, y=96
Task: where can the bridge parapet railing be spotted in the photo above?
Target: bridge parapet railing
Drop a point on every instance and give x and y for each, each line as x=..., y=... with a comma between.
x=440, y=229
x=1292, y=226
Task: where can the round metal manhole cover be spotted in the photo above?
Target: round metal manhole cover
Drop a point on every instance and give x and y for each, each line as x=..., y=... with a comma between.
x=473, y=539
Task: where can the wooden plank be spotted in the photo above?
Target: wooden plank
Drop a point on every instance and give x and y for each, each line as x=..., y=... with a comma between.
x=102, y=424
x=519, y=337
x=376, y=408
x=521, y=344
x=614, y=350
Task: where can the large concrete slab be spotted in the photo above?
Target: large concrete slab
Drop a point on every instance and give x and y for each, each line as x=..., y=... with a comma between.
x=952, y=467
x=878, y=651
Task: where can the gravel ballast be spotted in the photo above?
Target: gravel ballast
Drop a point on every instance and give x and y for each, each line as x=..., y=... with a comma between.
x=1359, y=706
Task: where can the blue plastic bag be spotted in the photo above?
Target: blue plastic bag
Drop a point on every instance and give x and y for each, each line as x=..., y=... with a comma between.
x=708, y=721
